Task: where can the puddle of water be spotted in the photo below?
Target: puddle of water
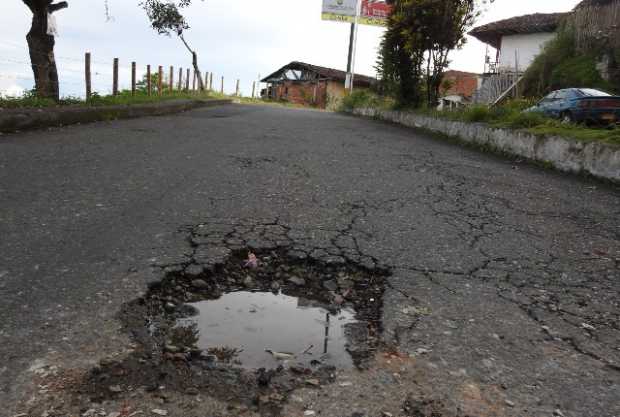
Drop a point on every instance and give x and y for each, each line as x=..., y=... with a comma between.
x=255, y=322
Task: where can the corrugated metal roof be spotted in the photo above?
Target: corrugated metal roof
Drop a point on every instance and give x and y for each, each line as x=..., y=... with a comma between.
x=322, y=72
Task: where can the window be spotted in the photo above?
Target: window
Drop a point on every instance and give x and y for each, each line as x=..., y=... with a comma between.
x=590, y=92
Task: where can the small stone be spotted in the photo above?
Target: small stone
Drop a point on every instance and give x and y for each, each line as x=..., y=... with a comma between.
x=297, y=281
x=194, y=270
x=248, y=282
x=346, y=384
x=114, y=414
x=159, y=412
x=115, y=389
x=422, y=351
x=171, y=348
x=509, y=403
x=309, y=413
x=558, y=413
x=192, y=391
x=386, y=414
x=588, y=326
x=170, y=307
x=200, y=284
x=313, y=382
x=330, y=285
x=275, y=286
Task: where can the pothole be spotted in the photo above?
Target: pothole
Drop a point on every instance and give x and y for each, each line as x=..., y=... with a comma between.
x=249, y=330
x=269, y=329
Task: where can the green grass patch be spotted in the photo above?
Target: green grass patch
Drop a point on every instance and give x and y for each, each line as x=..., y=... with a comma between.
x=30, y=100
x=365, y=99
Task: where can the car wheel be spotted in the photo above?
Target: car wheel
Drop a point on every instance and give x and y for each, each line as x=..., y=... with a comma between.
x=566, y=117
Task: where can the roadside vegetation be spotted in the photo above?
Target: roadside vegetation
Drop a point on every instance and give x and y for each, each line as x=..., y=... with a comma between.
x=31, y=100
x=510, y=115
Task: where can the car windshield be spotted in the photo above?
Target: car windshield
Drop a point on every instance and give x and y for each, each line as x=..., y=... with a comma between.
x=590, y=92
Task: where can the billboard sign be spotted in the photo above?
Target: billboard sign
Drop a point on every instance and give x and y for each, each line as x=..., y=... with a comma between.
x=373, y=12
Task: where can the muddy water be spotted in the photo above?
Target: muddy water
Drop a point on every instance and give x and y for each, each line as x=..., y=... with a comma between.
x=260, y=321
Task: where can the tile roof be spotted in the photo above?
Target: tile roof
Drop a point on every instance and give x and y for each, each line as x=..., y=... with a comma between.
x=532, y=23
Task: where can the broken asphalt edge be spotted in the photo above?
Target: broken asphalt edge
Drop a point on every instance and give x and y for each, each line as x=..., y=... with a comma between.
x=591, y=159
x=16, y=120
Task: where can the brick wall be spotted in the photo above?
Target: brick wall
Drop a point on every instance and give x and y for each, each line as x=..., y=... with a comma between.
x=303, y=93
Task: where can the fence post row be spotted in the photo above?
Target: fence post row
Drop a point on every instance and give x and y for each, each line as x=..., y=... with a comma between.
x=149, y=87
x=87, y=74
x=115, y=77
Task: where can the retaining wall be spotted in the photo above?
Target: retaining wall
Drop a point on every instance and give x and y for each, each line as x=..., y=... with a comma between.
x=598, y=159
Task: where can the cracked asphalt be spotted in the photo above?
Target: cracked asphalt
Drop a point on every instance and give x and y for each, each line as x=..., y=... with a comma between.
x=503, y=298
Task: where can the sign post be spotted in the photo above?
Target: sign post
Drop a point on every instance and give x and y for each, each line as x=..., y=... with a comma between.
x=355, y=12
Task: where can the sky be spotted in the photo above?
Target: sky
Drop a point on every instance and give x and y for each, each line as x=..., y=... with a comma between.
x=236, y=39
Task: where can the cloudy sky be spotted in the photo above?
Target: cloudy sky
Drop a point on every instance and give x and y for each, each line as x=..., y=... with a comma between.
x=237, y=39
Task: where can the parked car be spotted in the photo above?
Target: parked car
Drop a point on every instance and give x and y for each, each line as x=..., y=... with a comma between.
x=580, y=105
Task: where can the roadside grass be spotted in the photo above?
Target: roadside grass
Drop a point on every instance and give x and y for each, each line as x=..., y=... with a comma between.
x=510, y=115
x=30, y=100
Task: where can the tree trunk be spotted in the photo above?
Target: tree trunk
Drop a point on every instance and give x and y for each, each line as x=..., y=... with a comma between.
x=41, y=47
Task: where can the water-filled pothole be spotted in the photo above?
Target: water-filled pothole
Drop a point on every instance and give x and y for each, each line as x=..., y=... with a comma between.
x=206, y=330
x=265, y=329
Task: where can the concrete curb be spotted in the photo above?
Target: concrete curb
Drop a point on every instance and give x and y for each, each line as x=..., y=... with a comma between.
x=564, y=154
x=12, y=120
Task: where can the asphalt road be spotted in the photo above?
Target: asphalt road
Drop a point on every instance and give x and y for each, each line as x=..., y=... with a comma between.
x=505, y=277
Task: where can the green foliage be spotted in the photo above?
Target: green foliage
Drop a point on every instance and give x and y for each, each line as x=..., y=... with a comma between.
x=414, y=50
x=30, y=100
x=561, y=65
x=363, y=98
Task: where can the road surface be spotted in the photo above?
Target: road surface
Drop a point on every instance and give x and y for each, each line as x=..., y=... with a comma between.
x=505, y=277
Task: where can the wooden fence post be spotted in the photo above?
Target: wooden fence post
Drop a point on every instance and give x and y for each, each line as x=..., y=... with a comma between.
x=160, y=79
x=207, y=81
x=237, y=89
x=222, y=86
x=187, y=80
x=180, y=79
x=253, y=89
x=171, y=80
x=194, y=81
x=133, y=78
x=115, y=78
x=211, y=82
x=87, y=74
x=149, y=87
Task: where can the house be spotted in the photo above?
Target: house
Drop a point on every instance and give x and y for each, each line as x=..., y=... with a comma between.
x=311, y=85
x=457, y=89
x=517, y=40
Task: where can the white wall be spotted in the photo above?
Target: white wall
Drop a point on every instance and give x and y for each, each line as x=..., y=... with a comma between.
x=526, y=46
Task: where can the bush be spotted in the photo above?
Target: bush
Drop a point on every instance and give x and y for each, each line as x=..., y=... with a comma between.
x=525, y=120
x=363, y=98
x=476, y=114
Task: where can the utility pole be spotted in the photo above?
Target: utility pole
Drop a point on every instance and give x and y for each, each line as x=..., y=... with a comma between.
x=352, y=48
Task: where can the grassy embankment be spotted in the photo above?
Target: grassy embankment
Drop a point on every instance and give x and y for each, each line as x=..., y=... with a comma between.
x=508, y=116
x=30, y=100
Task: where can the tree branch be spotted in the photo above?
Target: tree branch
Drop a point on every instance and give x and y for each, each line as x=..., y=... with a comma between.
x=57, y=6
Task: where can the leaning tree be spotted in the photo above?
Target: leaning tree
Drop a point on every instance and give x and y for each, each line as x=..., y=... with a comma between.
x=166, y=19
x=41, y=46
